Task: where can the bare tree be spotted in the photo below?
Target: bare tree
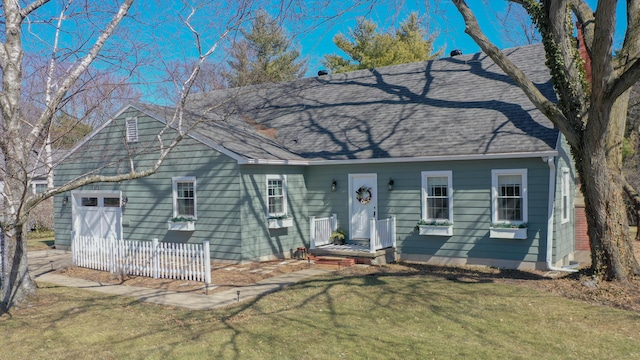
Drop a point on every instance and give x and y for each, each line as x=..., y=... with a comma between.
x=94, y=39
x=590, y=114
x=518, y=27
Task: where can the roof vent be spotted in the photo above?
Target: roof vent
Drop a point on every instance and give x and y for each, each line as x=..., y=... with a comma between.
x=455, y=53
x=323, y=72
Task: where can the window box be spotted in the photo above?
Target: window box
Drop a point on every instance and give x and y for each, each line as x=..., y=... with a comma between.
x=436, y=230
x=181, y=225
x=280, y=223
x=507, y=233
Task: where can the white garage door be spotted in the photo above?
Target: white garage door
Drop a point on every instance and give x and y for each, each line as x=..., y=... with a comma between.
x=97, y=214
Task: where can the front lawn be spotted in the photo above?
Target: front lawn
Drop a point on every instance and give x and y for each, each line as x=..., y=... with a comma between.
x=376, y=316
x=40, y=240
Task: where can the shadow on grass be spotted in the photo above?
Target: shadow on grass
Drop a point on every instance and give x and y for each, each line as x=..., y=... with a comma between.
x=351, y=296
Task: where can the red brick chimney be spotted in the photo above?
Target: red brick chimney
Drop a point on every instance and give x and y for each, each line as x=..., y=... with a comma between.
x=583, y=51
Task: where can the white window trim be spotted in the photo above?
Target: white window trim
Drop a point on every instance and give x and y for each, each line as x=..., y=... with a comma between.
x=174, y=186
x=425, y=175
x=37, y=182
x=494, y=194
x=565, y=191
x=284, y=193
x=132, y=136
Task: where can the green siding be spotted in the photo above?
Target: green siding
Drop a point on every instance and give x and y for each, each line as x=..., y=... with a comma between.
x=471, y=211
x=231, y=200
x=258, y=240
x=564, y=234
x=150, y=203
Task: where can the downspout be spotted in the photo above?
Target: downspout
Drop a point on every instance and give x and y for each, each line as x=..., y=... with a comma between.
x=552, y=188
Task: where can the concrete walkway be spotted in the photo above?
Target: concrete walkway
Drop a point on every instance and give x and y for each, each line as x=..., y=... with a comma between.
x=42, y=264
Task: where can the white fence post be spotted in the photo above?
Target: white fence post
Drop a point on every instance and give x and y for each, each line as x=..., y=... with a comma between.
x=155, y=261
x=312, y=231
x=74, y=255
x=112, y=255
x=207, y=262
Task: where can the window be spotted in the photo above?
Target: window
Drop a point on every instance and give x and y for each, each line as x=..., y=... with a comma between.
x=89, y=201
x=509, y=196
x=184, y=197
x=39, y=187
x=111, y=202
x=132, y=129
x=276, y=195
x=437, y=196
x=565, y=189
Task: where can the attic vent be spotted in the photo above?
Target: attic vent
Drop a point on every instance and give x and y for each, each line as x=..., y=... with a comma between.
x=455, y=53
x=323, y=72
x=132, y=129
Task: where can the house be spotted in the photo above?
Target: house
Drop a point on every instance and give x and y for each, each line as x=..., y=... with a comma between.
x=452, y=142
x=41, y=216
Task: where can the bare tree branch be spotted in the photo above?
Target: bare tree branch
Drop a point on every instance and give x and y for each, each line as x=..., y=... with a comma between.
x=535, y=96
x=583, y=13
x=80, y=68
x=32, y=7
x=602, y=51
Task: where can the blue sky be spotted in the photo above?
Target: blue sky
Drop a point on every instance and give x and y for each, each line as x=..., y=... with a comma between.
x=441, y=16
x=156, y=39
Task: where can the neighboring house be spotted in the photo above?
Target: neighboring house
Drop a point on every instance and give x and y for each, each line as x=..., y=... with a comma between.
x=452, y=140
x=39, y=174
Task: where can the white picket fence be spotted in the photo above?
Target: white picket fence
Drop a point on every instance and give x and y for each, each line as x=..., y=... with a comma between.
x=144, y=258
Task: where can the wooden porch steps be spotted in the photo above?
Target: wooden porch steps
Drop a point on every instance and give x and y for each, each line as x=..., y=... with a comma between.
x=332, y=260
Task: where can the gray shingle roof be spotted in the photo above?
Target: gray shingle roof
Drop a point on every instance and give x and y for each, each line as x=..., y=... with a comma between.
x=454, y=106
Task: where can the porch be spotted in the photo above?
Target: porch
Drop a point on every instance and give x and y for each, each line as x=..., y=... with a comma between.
x=379, y=248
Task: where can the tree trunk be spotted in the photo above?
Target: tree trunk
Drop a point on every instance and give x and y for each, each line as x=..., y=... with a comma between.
x=611, y=247
x=17, y=285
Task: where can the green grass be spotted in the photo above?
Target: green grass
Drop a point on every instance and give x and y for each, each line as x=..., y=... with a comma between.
x=40, y=240
x=374, y=317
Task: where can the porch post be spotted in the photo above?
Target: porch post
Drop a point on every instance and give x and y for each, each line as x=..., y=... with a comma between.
x=312, y=231
x=393, y=231
x=372, y=235
x=334, y=222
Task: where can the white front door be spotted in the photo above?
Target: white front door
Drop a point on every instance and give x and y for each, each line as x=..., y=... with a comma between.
x=363, y=202
x=97, y=214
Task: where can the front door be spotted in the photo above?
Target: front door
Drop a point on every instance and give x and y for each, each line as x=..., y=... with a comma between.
x=97, y=214
x=363, y=202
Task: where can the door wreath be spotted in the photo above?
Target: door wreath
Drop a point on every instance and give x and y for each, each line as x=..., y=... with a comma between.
x=363, y=194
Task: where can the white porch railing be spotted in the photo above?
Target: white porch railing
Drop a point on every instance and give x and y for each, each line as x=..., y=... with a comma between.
x=144, y=258
x=383, y=233
x=321, y=230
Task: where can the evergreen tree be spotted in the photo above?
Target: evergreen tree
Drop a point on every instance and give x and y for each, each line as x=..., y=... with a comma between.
x=369, y=48
x=263, y=55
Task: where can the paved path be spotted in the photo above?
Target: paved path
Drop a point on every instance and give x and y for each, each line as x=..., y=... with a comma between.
x=41, y=264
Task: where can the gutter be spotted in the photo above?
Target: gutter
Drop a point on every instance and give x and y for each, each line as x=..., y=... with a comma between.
x=552, y=186
x=496, y=156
